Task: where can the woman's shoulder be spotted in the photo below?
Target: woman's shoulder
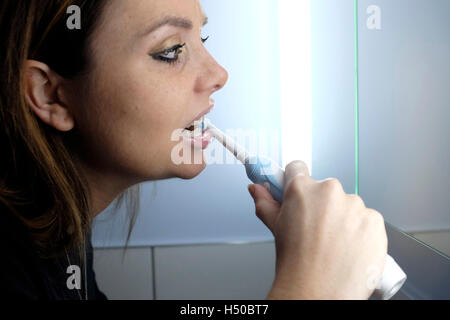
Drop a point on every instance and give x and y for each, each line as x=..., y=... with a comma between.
x=19, y=276
x=25, y=275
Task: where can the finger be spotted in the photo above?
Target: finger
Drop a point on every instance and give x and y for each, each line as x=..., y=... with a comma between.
x=266, y=208
x=295, y=169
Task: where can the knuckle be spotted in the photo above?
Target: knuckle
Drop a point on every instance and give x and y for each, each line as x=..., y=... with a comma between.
x=331, y=186
x=378, y=223
x=296, y=168
x=375, y=217
x=297, y=164
x=356, y=200
x=296, y=185
x=378, y=217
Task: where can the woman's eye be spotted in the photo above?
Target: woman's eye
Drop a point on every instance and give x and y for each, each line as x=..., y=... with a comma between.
x=170, y=55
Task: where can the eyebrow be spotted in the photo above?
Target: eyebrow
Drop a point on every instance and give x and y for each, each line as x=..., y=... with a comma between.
x=175, y=22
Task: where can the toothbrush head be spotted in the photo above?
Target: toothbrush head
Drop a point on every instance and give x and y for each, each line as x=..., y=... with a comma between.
x=206, y=124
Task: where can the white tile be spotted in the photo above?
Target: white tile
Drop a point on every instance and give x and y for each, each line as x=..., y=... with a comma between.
x=124, y=278
x=236, y=271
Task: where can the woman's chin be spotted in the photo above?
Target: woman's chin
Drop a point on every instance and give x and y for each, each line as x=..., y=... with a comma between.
x=187, y=165
x=189, y=171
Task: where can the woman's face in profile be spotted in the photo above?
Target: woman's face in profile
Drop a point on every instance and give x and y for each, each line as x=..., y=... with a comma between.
x=137, y=94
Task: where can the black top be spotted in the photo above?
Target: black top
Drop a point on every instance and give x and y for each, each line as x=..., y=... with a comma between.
x=24, y=275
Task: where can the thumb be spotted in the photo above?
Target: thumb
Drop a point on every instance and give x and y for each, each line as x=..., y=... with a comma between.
x=266, y=208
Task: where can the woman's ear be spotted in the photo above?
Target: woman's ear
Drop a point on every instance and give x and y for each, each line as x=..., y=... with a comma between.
x=42, y=87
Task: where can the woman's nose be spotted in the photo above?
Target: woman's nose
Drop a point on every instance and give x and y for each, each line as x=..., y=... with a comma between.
x=222, y=78
x=213, y=76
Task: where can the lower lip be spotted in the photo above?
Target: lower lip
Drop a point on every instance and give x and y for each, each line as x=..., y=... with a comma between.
x=202, y=141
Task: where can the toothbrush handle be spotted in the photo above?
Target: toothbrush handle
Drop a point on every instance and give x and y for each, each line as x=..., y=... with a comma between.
x=263, y=171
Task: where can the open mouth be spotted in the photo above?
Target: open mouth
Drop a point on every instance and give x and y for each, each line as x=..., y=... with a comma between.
x=196, y=129
x=197, y=134
x=198, y=126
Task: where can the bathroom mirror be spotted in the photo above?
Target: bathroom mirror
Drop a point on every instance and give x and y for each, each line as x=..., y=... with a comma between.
x=403, y=59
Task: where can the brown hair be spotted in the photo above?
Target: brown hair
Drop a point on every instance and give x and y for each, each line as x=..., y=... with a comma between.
x=40, y=181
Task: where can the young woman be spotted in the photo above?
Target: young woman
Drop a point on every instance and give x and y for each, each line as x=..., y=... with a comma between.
x=86, y=114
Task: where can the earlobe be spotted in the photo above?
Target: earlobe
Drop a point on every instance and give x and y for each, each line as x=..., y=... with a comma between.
x=60, y=118
x=41, y=93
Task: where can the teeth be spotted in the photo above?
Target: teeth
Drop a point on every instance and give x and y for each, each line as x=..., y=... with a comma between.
x=197, y=132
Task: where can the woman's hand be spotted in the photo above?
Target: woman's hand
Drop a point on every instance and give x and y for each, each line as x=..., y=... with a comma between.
x=327, y=242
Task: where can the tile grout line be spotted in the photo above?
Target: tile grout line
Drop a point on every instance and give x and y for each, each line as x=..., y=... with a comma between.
x=188, y=244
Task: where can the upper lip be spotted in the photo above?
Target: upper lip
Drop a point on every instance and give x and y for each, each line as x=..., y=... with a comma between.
x=200, y=115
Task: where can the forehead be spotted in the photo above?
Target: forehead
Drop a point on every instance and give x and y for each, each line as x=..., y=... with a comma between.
x=127, y=15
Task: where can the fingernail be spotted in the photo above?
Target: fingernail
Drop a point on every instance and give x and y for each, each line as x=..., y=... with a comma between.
x=251, y=189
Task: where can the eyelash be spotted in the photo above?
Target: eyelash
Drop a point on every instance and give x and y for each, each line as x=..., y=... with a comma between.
x=176, y=49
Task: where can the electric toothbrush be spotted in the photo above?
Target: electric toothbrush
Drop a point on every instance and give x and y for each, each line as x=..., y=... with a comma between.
x=266, y=172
